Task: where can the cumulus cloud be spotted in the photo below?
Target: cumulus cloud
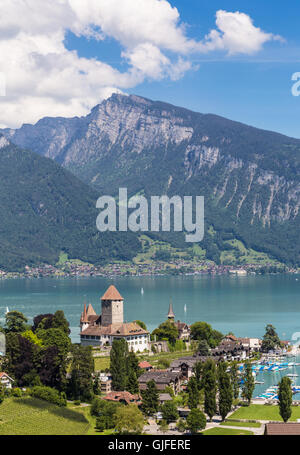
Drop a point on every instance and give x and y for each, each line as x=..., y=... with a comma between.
x=44, y=78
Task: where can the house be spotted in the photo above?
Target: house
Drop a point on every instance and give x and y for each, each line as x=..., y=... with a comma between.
x=6, y=380
x=282, y=429
x=102, y=330
x=185, y=365
x=253, y=344
x=184, y=331
x=123, y=397
x=231, y=350
x=162, y=379
x=105, y=383
x=164, y=397
x=145, y=365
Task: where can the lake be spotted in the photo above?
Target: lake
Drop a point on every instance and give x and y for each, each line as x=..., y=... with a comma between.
x=242, y=305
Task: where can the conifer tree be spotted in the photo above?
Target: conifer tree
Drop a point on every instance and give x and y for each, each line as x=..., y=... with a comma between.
x=225, y=391
x=210, y=388
x=285, y=398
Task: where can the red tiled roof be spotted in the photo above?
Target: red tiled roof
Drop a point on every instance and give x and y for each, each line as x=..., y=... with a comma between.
x=3, y=375
x=125, y=329
x=112, y=294
x=122, y=396
x=145, y=364
x=287, y=429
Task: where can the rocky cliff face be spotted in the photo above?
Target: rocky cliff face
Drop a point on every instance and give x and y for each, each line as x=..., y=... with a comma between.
x=153, y=146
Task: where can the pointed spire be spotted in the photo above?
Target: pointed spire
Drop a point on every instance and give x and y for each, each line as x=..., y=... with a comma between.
x=84, y=314
x=171, y=314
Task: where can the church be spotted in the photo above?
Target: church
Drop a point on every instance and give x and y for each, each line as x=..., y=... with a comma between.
x=102, y=330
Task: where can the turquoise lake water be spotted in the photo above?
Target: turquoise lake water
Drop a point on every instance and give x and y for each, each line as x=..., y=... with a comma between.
x=242, y=305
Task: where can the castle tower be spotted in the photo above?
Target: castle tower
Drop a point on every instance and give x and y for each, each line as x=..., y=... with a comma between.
x=112, y=307
x=171, y=315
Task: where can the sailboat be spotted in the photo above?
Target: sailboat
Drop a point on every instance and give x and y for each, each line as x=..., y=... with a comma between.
x=7, y=310
x=184, y=308
x=142, y=291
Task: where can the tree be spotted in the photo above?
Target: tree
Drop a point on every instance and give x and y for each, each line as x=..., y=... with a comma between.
x=16, y=322
x=129, y=420
x=150, y=401
x=168, y=331
x=270, y=340
x=285, y=398
x=141, y=324
x=169, y=411
x=60, y=322
x=164, y=426
x=132, y=383
x=118, y=364
x=249, y=383
x=196, y=421
x=198, y=370
x=203, y=331
x=101, y=424
x=235, y=380
x=210, y=388
x=132, y=364
x=203, y=348
x=1, y=393
x=80, y=386
x=225, y=391
x=193, y=393
x=181, y=425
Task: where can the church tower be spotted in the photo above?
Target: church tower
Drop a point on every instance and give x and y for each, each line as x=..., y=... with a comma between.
x=171, y=315
x=112, y=311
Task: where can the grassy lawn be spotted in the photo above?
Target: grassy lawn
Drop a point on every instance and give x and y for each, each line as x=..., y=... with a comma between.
x=230, y=423
x=262, y=412
x=29, y=416
x=225, y=431
x=102, y=363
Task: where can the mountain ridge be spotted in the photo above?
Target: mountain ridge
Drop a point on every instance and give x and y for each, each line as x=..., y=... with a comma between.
x=249, y=177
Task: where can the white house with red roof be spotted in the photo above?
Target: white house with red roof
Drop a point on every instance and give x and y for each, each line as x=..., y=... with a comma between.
x=6, y=380
x=102, y=330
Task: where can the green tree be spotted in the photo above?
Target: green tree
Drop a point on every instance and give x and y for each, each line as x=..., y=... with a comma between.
x=196, y=421
x=80, y=386
x=166, y=331
x=181, y=425
x=210, y=388
x=101, y=424
x=1, y=393
x=16, y=322
x=249, y=383
x=285, y=398
x=169, y=411
x=225, y=391
x=132, y=364
x=141, y=324
x=118, y=364
x=204, y=331
x=235, y=380
x=193, y=393
x=132, y=383
x=198, y=370
x=150, y=398
x=203, y=348
x=129, y=420
x=60, y=322
x=271, y=340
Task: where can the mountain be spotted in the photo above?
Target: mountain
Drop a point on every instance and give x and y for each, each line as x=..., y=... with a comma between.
x=44, y=210
x=249, y=177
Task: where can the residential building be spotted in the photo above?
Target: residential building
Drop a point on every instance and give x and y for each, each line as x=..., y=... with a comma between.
x=162, y=379
x=123, y=397
x=6, y=380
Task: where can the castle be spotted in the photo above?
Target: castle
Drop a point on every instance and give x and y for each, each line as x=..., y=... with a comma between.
x=102, y=330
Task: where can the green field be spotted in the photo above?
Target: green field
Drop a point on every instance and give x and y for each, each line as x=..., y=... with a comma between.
x=230, y=423
x=217, y=431
x=102, y=363
x=29, y=416
x=262, y=412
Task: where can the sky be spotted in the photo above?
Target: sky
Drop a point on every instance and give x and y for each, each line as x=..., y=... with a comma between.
x=231, y=58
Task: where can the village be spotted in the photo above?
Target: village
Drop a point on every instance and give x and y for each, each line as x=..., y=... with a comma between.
x=180, y=379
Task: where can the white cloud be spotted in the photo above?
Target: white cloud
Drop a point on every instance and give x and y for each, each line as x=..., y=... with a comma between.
x=44, y=78
x=236, y=34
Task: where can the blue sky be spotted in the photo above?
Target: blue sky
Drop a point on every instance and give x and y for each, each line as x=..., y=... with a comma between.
x=252, y=89
x=83, y=51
